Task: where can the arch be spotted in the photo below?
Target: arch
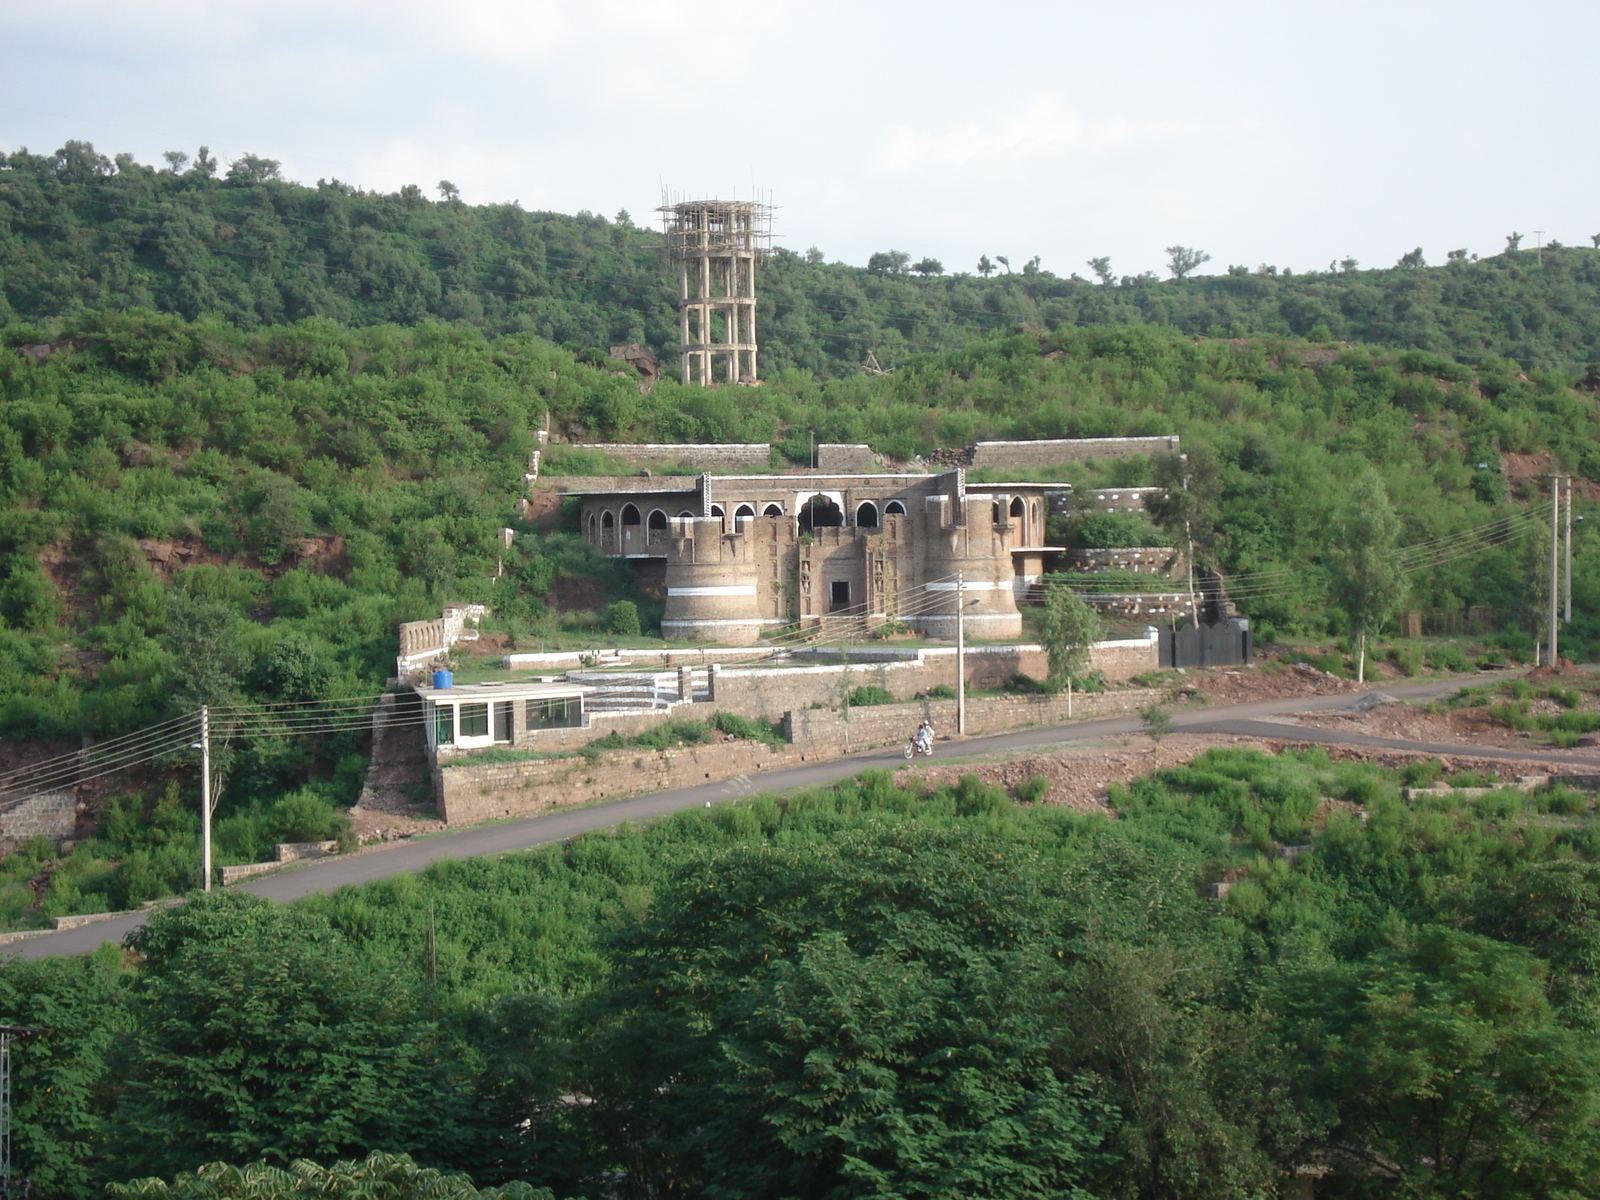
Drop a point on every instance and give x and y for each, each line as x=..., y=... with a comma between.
x=657, y=519
x=867, y=515
x=744, y=510
x=716, y=511
x=630, y=514
x=894, y=509
x=686, y=513
x=772, y=510
x=1018, y=508
x=1019, y=514
x=594, y=526
x=608, y=519
x=995, y=511
x=820, y=512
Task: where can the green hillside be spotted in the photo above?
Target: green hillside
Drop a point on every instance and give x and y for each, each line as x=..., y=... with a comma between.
x=81, y=232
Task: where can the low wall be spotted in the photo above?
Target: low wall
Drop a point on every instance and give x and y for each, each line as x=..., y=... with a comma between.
x=1150, y=560
x=828, y=733
x=466, y=793
x=1135, y=499
x=52, y=814
x=1054, y=452
x=768, y=693
x=620, y=483
x=695, y=456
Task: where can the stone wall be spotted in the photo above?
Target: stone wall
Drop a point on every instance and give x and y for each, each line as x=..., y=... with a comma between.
x=689, y=456
x=846, y=458
x=828, y=733
x=1150, y=560
x=1052, y=453
x=53, y=815
x=465, y=793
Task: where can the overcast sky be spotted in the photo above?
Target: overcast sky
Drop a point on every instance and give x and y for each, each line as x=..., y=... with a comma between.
x=1287, y=133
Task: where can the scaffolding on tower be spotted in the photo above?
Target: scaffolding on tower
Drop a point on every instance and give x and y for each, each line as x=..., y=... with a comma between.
x=716, y=245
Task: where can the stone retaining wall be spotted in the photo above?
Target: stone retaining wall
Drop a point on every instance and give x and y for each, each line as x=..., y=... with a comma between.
x=1054, y=452
x=828, y=733
x=693, y=456
x=845, y=458
x=52, y=814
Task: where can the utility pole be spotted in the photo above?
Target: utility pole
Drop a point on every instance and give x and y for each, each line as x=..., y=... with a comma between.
x=1538, y=254
x=961, y=654
x=205, y=797
x=7, y=1033
x=1567, y=574
x=1555, y=555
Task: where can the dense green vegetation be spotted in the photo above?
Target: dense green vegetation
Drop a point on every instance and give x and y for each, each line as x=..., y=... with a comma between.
x=193, y=513
x=869, y=991
x=81, y=233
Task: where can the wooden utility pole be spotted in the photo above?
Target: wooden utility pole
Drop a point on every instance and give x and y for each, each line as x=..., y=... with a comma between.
x=961, y=654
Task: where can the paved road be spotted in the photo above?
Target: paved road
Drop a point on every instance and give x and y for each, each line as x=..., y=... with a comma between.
x=381, y=862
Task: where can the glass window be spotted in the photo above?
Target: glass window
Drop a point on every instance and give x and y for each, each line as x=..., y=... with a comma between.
x=562, y=713
x=444, y=724
x=474, y=720
x=504, y=716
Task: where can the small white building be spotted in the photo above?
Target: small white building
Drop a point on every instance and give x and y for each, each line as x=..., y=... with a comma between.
x=474, y=716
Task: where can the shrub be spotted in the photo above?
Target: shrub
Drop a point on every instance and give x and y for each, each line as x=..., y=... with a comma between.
x=869, y=694
x=1034, y=790
x=941, y=691
x=750, y=730
x=622, y=618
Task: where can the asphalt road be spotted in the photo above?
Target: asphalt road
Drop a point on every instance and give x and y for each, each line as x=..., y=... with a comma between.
x=326, y=875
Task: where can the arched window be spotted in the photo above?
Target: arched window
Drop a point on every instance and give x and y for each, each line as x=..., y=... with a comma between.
x=744, y=510
x=1017, y=507
x=716, y=511
x=594, y=526
x=658, y=519
x=772, y=510
x=819, y=512
x=995, y=510
x=1019, y=514
x=686, y=513
x=894, y=509
x=608, y=520
x=867, y=515
x=630, y=515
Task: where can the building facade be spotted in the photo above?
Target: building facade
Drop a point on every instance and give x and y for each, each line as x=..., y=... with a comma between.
x=745, y=555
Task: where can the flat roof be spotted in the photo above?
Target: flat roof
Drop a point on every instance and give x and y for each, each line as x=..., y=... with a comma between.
x=475, y=692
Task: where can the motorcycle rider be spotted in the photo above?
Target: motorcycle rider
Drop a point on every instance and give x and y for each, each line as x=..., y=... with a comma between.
x=924, y=737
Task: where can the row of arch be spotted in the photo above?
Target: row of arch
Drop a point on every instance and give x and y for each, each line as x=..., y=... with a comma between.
x=818, y=512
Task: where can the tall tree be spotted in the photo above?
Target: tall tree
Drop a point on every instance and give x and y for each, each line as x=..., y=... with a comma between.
x=1367, y=583
x=1183, y=261
x=1069, y=628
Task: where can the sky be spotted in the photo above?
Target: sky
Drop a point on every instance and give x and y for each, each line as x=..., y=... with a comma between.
x=1284, y=133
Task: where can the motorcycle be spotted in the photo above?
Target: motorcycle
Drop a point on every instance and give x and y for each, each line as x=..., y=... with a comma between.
x=914, y=748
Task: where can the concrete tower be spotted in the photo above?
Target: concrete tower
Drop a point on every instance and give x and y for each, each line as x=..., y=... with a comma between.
x=715, y=244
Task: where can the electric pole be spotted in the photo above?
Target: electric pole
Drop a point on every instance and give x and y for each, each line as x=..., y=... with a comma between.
x=1538, y=246
x=1555, y=555
x=961, y=654
x=1567, y=574
x=205, y=797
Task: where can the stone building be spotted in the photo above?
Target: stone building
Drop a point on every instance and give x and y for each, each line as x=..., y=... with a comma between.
x=741, y=555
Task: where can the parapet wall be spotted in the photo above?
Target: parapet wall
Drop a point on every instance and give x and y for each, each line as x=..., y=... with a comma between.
x=1054, y=452
x=693, y=456
x=850, y=458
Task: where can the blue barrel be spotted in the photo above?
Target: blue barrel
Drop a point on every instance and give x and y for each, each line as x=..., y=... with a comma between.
x=441, y=679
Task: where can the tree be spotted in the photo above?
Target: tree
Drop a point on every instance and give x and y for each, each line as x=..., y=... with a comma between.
x=262, y=1034
x=1447, y=1071
x=861, y=1015
x=1412, y=260
x=205, y=639
x=1004, y=262
x=1157, y=723
x=986, y=268
x=888, y=262
x=1182, y=261
x=1102, y=269
x=1513, y=242
x=251, y=168
x=1366, y=582
x=814, y=255
x=177, y=160
x=1348, y=264
x=392, y=1176
x=929, y=266
x=1069, y=628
